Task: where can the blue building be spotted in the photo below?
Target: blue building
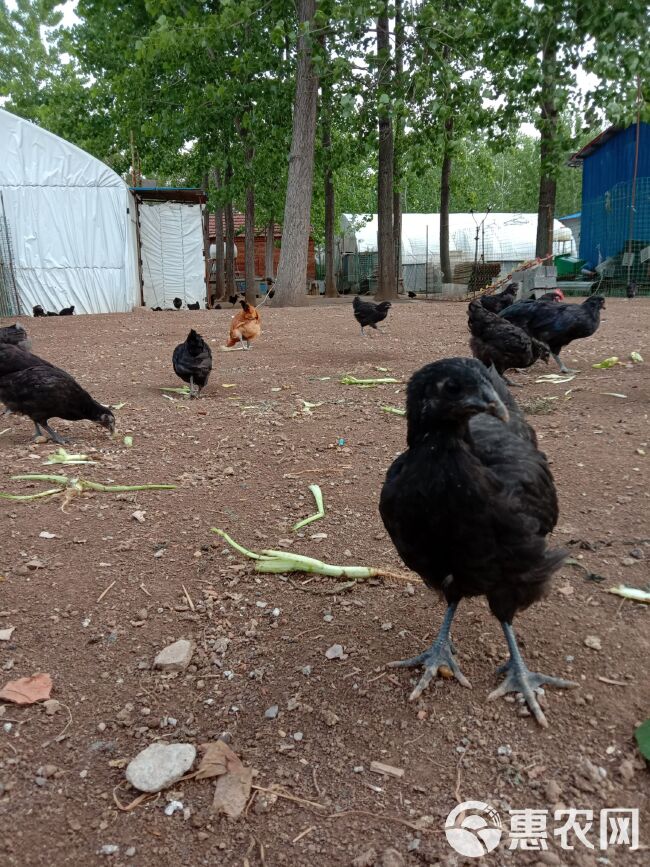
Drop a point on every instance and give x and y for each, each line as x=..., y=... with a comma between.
x=615, y=217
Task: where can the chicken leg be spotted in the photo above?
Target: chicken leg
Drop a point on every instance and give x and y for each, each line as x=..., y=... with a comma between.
x=54, y=436
x=440, y=653
x=562, y=365
x=519, y=678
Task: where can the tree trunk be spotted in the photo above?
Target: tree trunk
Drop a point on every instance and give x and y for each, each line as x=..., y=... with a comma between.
x=292, y=268
x=330, y=203
x=231, y=288
x=445, y=178
x=219, y=282
x=249, y=240
x=269, y=250
x=548, y=124
x=386, y=283
x=397, y=150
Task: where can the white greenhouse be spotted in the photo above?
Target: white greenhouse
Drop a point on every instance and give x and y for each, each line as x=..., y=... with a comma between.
x=67, y=226
x=506, y=239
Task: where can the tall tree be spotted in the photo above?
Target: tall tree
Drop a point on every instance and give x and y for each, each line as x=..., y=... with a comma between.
x=292, y=268
x=219, y=259
x=386, y=281
x=548, y=129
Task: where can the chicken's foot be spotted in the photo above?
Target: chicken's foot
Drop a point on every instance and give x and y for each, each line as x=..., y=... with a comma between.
x=54, y=436
x=562, y=365
x=441, y=653
x=519, y=678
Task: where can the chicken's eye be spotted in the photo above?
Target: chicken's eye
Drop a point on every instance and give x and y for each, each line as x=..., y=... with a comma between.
x=452, y=388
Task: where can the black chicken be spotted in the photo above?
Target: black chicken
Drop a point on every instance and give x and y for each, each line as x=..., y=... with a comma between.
x=195, y=306
x=232, y=299
x=37, y=311
x=50, y=313
x=498, y=302
x=13, y=359
x=368, y=314
x=496, y=341
x=67, y=311
x=631, y=290
x=557, y=324
x=45, y=392
x=192, y=362
x=178, y=303
x=15, y=335
x=411, y=294
x=468, y=507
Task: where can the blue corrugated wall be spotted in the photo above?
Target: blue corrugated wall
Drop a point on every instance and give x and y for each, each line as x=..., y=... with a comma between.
x=606, y=195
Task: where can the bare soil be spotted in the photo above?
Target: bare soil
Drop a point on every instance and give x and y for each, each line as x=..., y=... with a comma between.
x=243, y=458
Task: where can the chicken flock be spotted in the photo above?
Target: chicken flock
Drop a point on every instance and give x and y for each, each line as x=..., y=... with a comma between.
x=469, y=504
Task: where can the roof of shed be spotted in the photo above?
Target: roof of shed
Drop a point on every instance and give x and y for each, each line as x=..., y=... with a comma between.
x=238, y=220
x=592, y=146
x=189, y=195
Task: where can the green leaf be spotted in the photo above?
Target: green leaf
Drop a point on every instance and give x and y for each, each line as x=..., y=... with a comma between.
x=642, y=735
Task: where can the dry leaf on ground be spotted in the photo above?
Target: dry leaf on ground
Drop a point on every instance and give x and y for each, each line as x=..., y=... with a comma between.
x=217, y=759
x=232, y=792
x=27, y=690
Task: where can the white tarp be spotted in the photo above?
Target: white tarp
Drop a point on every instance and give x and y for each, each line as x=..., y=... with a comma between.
x=173, y=264
x=68, y=217
x=502, y=238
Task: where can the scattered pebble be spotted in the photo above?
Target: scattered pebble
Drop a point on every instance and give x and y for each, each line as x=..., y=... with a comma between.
x=593, y=642
x=272, y=712
x=109, y=849
x=336, y=652
x=176, y=656
x=159, y=766
x=173, y=807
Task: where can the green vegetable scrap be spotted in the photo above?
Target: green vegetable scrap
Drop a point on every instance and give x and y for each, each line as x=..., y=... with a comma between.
x=318, y=496
x=69, y=487
x=367, y=383
x=63, y=457
x=286, y=561
x=607, y=363
x=395, y=410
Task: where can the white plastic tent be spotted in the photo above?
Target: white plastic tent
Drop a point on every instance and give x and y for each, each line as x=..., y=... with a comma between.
x=173, y=263
x=503, y=237
x=70, y=220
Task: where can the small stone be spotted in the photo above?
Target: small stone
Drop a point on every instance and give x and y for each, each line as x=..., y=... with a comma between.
x=272, y=712
x=130, y=852
x=637, y=553
x=386, y=627
x=626, y=770
x=109, y=849
x=176, y=656
x=366, y=859
x=336, y=652
x=306, y=670
x=138, y=516
x=593, y=642
x=229, y=471
x=330, y=718
x=298, y=736
x=391, y=858
x=552, y=792
x=47, y=771
x=628, y=561
x=159, y=766
x=35, y=563
x=264, y=802
x=51, y=706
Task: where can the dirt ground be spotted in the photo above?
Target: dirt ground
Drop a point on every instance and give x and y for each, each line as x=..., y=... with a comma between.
x=95, y=603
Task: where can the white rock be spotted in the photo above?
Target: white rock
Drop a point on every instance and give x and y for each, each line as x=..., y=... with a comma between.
x=336, y=652
x=159, y=766
x=176, y=656
x=593, y=642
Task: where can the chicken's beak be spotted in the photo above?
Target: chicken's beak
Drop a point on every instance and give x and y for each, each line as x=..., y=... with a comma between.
x=486, y=401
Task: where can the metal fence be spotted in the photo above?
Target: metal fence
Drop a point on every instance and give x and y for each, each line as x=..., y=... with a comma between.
x=615, y=231
x=9, y=300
